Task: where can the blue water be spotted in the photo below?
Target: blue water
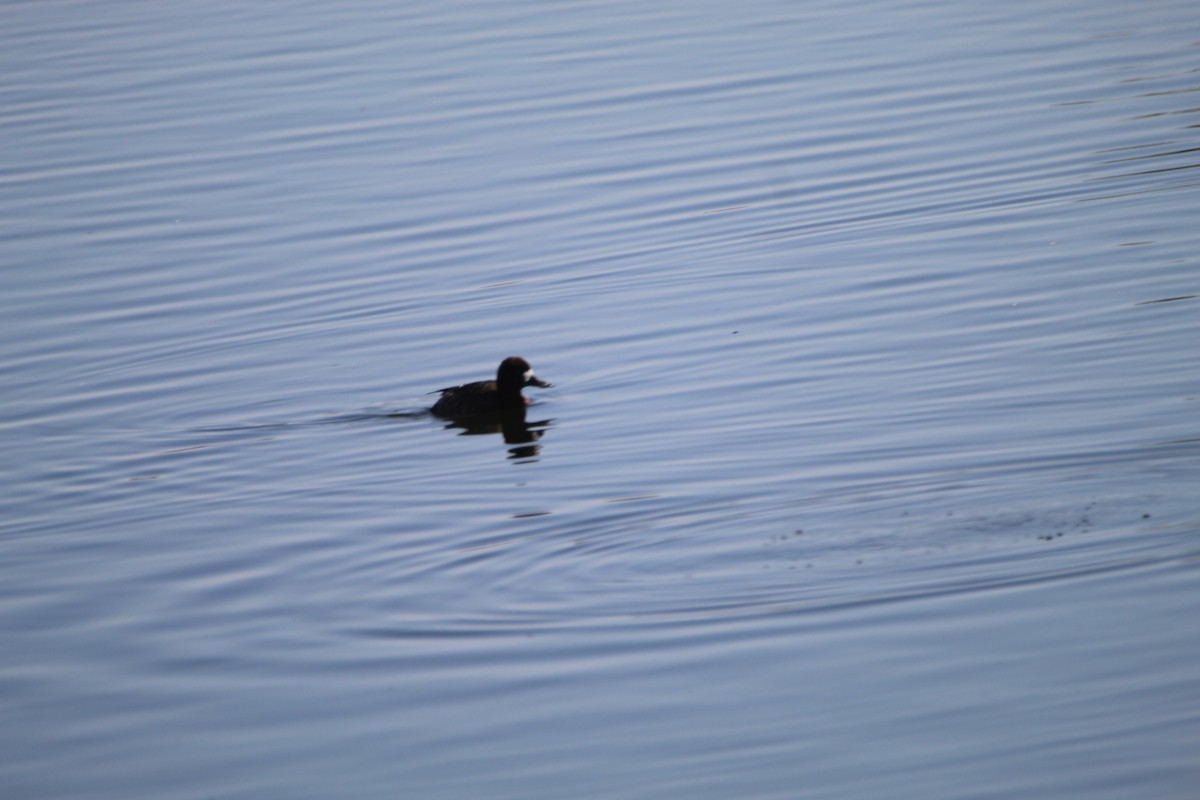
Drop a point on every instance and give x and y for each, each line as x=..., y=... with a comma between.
x=869, y=470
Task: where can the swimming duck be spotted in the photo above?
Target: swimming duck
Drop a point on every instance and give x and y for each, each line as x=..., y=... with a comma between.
x=484, y=397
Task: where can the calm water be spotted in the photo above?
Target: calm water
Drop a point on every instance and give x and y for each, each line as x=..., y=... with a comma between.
x=871, y=468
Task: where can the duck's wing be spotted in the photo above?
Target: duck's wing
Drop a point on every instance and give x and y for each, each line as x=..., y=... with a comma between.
x=476, y=387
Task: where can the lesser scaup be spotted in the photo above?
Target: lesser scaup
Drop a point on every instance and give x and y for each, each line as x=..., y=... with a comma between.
x=485, y=397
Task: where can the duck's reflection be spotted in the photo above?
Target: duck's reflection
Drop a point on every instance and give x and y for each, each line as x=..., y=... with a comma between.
x=521, y=434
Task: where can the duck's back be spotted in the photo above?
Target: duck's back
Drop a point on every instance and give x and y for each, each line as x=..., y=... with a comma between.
x=480, y=397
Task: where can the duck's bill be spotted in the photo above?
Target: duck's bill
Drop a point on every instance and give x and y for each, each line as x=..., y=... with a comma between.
x=534, y=380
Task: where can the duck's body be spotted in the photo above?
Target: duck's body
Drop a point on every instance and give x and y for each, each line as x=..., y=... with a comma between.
x=489, y=397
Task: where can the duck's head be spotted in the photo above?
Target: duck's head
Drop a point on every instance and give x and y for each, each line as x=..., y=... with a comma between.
x=515, y=371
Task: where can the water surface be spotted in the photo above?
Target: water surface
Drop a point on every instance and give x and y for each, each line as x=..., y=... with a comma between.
x=870, y=466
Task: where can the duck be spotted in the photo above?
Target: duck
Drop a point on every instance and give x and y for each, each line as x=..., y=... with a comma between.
x=489, y=397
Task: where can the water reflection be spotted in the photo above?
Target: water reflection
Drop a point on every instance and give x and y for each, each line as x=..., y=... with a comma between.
x=512, y=424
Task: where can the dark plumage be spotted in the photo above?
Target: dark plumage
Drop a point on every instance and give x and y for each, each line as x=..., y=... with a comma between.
x=487, y=397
